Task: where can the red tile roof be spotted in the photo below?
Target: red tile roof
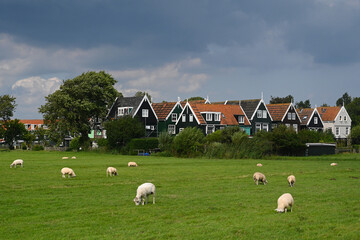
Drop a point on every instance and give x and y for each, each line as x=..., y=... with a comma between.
x=328, y=113
x=163, y=109
x=305, y=114
x=277, y=111
x=32, y=121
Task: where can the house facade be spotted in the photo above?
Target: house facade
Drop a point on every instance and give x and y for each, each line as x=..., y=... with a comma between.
x=310, y=119
x=337, y=120
x=168, y=114
x=33, y=124
x=136, y=107
x=258, y=115
x=284, y=114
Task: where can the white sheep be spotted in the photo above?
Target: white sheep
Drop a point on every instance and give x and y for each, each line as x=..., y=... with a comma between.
x=333, y=164
x=259, y=165
x=17, y=162
x=73, y=157
x=65, y=158
x=67, y=171
x=259, y=177
x=291, y=180
x=111, y=171
x=285, y=202
x=132, y=164
x=143, y=192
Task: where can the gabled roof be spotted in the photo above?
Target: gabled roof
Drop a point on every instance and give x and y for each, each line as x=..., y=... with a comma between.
x=164, y=109
x=279, y=111
x=228, y=113
x=249, y=106
x=32, y=121
x=305, y=115
x=328, y=113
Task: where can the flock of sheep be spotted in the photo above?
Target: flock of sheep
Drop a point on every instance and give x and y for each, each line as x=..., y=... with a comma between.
x=285, y=201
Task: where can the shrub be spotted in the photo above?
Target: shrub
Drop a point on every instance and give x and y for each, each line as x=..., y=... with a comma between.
x=37, y=148
x=165, y=141
x=215, y=150
x=214, y=137
x=286, y=141
x=23, y=146
x=142, y=143
x=74, y=144
x=102, y=142
x=355, y=135
x=228, y=132
x=239, y=137
x=188, y=142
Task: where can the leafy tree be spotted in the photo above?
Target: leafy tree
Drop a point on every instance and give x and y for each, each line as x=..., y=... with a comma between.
x=141, y=94
x=344, y=100
x=214, y=137
x=120, y=131
x=305, y=104
x=228, y=132
x=7, y=107
x=353, y=109
x=188, y=142
x=286, y=141
x=40, y=135
x=355, y=135
x=14, y=130
x=195, y=98
x=325, y=105
x=165, y=141
x=287, y=99
x=78, y=105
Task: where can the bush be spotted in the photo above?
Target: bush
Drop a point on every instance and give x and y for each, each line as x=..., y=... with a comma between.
x=74, y=144
x=214, y=137
x=165, y=141
x=37, y=148
x=286, y=141
x=355, y=135
x=23, y=146
x=142, y=143
x=188, y=142
x=102, y=142
x=228, y=132
x=239, y=137
x=216, y=150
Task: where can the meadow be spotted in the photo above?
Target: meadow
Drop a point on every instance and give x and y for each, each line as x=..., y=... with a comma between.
x=195, y=198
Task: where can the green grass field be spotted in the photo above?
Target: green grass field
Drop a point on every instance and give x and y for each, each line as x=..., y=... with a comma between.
x=195, y=198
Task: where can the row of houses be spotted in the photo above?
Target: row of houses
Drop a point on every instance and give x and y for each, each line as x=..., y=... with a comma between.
x=250, y=115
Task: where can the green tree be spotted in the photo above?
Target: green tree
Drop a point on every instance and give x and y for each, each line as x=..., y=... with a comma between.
x=14, y=130
x=355, y=135
x=120, y=131
x=305, y=104
x=141, y=94
x=40, y=135
x=165, y=141
x=7, y=107
x=188, y=142
x=344, y=100
x=195, y=98
x=353, y=110
x=78, y=104
x=287, y=99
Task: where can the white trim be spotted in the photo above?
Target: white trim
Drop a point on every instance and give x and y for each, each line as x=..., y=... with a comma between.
x=178, y=103
x=255, y=111
x=107, y=115
x=182, y=112
x=145, y=98
x=287, y=111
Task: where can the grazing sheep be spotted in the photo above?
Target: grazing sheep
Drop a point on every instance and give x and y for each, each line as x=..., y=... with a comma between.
x=65, y=158
x=143, y=192
x=67, y=171
x=285, y=202
x=259, y=165
x=291, y=180
x=111, y=171
x=259, y=177
x=132, y=164
x=333, y=164
x=17, y=162
x=73, y=157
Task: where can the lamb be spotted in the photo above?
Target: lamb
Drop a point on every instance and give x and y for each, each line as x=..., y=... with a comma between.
x=111, y=171
x=132, y=164
x=65, y=158
x=259, y=177
x=73, y=157
x=67, y=171
x=285, y=202
x=17, y=162
x=143, y=192
x=259, y=165
x=333, y=164
x=291, y=180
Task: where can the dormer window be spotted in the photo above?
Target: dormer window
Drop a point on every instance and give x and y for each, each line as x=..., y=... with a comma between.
x=217, y=117
x=124, y=111
x=208, y=117
x=241, y=119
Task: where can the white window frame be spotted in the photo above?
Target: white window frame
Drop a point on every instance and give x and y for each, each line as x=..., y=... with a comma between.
x=265, y=126
x=289, y=116
x=293, y=116
x=211, y=130
x=145, y=113
x=152, y=127
x=191, y=118
x=345, y=118
x=183, y=118
x=173, y=117
x=181, y=129
x=346, y=130
x=257, y=127
x=287, y=125
x=171, y=129
x=217, y=117
x=241, y=119
x=315, y=120
x=264, y=114
x=296, y=128
x=259, y=113
x=209, y=116
x=340, y=118
x=337, y=131
x=124, y=111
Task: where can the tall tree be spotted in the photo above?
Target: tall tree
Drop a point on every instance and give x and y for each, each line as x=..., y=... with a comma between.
x=141, y=94
x=14, y=130
x=287, y=99
x=7, y=107
x=344, y=100
x=195, y=98
x=305, y=104
x=353, y=110
x=73, y=108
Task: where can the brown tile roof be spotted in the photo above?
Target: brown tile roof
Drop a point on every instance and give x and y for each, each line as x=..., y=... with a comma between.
x=163, y=109
x=277, y=111
x=305, y=114
x=328, y=113
x=228, y=112
x=32, y=121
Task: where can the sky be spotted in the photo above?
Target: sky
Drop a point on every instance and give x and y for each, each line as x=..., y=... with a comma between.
x=223, y=50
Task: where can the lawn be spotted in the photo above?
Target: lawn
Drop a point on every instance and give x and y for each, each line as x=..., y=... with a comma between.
x=195, y=198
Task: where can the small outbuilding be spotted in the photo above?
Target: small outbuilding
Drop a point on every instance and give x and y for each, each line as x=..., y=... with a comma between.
x=316, y=149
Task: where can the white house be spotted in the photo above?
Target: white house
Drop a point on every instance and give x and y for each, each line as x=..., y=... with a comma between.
x=337, y=119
